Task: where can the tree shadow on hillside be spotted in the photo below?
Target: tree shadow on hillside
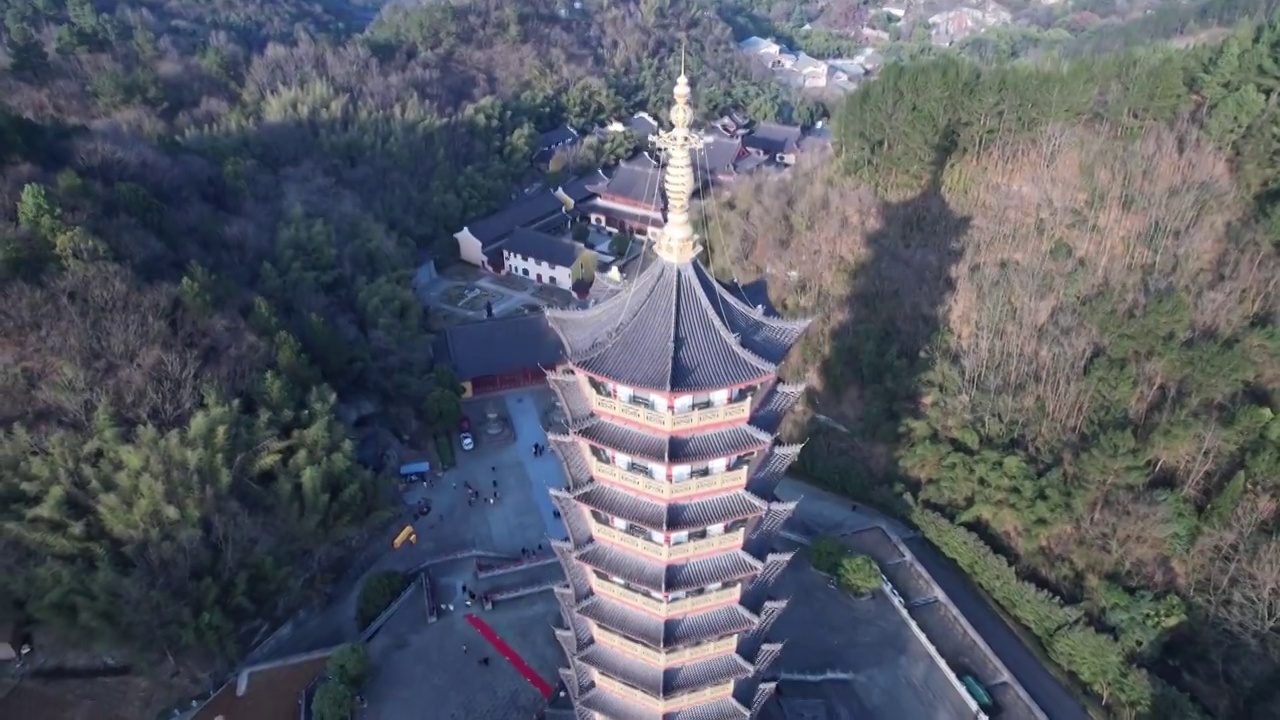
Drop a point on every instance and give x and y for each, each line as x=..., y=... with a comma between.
x=874, y=370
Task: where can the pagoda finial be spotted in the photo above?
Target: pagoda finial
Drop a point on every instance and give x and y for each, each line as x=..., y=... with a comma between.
x=677, y=243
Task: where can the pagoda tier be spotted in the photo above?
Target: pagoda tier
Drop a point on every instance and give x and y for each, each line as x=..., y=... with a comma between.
x=669, y=407
x=675, y=329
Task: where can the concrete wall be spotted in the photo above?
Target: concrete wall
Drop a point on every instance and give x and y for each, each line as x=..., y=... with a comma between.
x=531, y=268
x=469, y=248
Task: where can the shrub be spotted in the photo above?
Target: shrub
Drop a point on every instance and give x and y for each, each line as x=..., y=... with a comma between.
x=826, y=553
x=333, y=701
x=859, y=574
x=378, y=592
x=349, y=665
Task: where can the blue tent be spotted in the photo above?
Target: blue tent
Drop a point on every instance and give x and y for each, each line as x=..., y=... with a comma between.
x=418, y=468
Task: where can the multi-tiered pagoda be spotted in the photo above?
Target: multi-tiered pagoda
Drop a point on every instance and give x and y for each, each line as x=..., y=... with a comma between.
x=672, y=399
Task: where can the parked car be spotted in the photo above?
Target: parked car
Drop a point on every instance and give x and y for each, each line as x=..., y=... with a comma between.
x=468, y=442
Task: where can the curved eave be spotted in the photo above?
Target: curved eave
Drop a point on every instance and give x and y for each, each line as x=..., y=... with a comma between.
x=680, y=449
x=665, y=517
x=659, y=577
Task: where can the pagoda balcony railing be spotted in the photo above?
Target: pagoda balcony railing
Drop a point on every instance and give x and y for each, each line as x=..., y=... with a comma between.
x=731, y=540
x=669, y=490
x=675, y=702
x=669, y=421
x=667, y=608
x=665, y=658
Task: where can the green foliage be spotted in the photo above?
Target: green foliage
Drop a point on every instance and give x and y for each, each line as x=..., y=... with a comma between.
x=333, y=700
x=584, y=268
x=377, y=593
x=620, y=244
x=1096, y=659
x=826, y=553
x=859, y=575
x=350, y=665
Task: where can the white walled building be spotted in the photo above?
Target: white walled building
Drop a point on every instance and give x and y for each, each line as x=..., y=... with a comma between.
x=541, y=257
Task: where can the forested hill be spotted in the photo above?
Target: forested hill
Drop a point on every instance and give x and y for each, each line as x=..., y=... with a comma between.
x=1048, y=309
x=212, y=213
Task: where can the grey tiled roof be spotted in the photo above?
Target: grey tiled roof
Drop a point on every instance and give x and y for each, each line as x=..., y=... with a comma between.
x=615, y=708
x=771, y=411
x=638, y=181
x=541, y=246
x=727, y=709
x=575, y=462
x=766, y=476
x=559, y=136
x=726, y=442
x=500, y=345
x=671, y=633
x=717, y=154
x=661, y=682
x=760, y=330
x=568, y=392
x=675, y=329
x=670, y=516
x=774, y=138
x=527, y=211
x=631, y=216
x=655, y=576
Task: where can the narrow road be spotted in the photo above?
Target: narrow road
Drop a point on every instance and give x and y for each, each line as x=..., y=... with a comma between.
x=826, y=513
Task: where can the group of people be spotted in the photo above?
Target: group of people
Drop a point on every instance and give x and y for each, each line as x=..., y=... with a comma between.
x=473, y=495
x=539, y=449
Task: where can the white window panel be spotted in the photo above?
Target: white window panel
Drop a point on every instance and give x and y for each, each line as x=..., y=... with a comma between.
x=718, y=465
x=679, y=538
x=719, y=397
x=716, y=529
x=657, y=537
x=625, y=393
x=680, y=473
x=618, y=523
x=622, y=461
x=684, y=403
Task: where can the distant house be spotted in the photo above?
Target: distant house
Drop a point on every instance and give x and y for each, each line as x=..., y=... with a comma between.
x=775, y=141
x=812, y=71
x=718, y=160
x=553, y=140
x=630, y=200
x=500, y=353
x=760, y=46
x=642, y=124
x=542, y=257
x=480, y=242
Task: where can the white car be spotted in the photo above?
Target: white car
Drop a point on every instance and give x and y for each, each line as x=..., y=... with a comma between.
x=468, y=442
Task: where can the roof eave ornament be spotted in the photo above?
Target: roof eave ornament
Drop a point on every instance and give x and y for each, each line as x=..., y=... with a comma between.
x=677, y=242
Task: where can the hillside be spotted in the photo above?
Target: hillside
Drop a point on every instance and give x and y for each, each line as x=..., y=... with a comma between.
x=210, y=217
x=1048, y=304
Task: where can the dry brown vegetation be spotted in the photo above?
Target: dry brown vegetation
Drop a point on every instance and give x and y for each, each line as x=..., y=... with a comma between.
x=1029, y=262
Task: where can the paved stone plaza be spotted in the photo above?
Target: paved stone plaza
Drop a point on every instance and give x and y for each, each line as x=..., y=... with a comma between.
x=893, y=676
x=421, y=670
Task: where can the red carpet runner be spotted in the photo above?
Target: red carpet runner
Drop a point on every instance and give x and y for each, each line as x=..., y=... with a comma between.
x=505, y=650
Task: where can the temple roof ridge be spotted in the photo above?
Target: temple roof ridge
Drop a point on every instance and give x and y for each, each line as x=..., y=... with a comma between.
x=665, y=333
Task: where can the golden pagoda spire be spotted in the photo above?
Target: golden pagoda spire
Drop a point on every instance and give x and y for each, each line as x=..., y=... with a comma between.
x=677, y=242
